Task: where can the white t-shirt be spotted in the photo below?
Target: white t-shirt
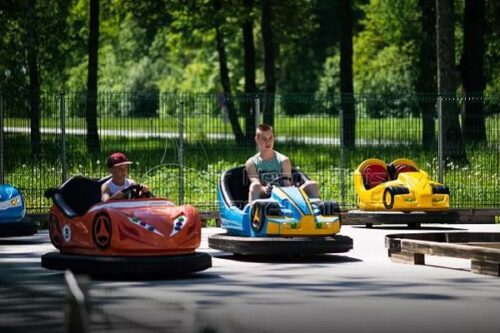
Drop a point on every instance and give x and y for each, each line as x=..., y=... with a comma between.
x=113, y=188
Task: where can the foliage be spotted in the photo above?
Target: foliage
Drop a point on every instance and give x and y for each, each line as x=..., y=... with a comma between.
x=329, y=82
x=303, y=47
x=169, y=46
x=385, y=54
x=492, y=56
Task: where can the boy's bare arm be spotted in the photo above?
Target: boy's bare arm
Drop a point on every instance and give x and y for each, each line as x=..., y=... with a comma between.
x=105, y=192
x=252, y=173
x=286, y=171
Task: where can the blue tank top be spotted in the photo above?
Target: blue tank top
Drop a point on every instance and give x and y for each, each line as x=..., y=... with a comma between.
x=268, y=169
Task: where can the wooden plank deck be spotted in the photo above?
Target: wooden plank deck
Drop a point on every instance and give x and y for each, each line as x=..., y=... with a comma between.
x=415, y=219
x=483, y=249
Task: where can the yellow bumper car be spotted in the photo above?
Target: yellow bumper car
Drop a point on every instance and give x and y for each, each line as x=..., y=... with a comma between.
x=398, y=186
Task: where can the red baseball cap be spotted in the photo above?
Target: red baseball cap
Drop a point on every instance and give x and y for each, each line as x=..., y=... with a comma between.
x=117, y=159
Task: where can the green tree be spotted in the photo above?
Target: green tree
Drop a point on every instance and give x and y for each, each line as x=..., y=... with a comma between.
x=32, y=44
x=472, y=71
x=53, y=46
x=426, y=73
x=93, y=144
x=298, y=71
x=447, y=75
x=386, y=51
x=224, y=73
x=51, y=49
x=269, y=60
x=249, y=65
x=13, y=49
x=346, y=75
x=492, y=56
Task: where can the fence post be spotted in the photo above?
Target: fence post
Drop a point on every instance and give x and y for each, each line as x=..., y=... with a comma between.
x=257, y=116
x=257, y=111
x=342, y=162
x=440, y=138
x=64, y=164
x=2, y=175
x=181, y=153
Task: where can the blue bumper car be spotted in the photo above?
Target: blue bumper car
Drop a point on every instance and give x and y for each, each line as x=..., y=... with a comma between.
x=12, y=211
x=288, y=222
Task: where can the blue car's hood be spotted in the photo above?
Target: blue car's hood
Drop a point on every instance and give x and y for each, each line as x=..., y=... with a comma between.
x=292, y=198
x=8, y=192
x=11, y=204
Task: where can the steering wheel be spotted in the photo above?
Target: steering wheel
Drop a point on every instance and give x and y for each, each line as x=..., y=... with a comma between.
x=135, y=191
x=278, y=181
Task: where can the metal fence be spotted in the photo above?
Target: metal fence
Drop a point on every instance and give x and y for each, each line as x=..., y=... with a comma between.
x=181, y=143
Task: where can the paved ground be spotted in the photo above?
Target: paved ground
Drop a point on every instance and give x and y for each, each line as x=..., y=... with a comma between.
x=361, y=290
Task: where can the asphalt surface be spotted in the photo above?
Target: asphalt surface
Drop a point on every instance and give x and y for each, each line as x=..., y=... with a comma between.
x=359, y=291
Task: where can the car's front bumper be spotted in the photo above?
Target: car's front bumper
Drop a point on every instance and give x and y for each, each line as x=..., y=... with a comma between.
x=18, y=228
x=307, y=226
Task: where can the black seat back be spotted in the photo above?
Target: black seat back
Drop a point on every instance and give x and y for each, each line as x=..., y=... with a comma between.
x=298, y=177
x=77, y=195
x=235, y=185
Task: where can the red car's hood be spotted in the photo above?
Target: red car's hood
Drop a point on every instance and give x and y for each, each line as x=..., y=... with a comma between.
x=125, y=205
x=154, y=215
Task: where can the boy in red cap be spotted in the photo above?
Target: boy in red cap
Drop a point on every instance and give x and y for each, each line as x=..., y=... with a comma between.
x=119, y=184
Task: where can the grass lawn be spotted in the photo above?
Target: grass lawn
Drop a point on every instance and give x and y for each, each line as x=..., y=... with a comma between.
x=197, y=126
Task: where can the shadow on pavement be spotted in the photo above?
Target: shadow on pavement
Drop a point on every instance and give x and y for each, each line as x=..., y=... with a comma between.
x=153, y=277
x=298, y=259
x=405, y=227
x=39, y=238
x=32, y=299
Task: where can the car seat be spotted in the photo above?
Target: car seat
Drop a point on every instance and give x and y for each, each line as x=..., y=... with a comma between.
x=374, y=174
x=235, y=185
x=396, y=168
x=76, y=195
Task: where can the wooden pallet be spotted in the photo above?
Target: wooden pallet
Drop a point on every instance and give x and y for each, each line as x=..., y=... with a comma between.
x=209, y=215
x=483, y=249
x=415, y=219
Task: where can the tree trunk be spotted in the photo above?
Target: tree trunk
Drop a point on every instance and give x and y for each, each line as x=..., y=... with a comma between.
x=93, y=144
x=224, y=77
x=454, y=150
x=249, y=64
x=472, y=71
x=426, y=80
x=267, y=38
x=346, y=84
x=34, y=80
